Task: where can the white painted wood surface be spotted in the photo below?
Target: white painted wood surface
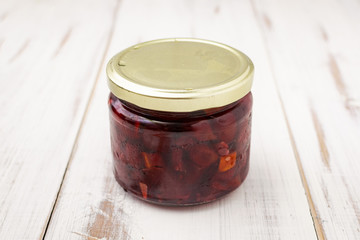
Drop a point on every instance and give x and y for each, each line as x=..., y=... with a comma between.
x=320, y=89
x=56, y=177
x=49, y=59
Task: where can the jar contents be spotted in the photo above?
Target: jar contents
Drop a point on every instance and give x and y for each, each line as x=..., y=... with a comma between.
x=180, y=158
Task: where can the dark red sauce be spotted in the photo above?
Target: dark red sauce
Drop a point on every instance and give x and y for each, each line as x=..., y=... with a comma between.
x=180, y=158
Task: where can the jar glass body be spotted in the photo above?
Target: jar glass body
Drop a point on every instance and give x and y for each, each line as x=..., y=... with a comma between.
x=185, y=158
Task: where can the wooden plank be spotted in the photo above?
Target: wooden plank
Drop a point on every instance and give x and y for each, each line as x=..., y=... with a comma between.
x=315, y=57
x=49, y=57
x=271, y=204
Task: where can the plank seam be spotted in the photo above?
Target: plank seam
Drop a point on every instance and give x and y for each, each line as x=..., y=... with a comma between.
x=316, y=222
x=92, y=93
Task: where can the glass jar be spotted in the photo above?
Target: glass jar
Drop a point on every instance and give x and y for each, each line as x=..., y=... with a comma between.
x=180, y=120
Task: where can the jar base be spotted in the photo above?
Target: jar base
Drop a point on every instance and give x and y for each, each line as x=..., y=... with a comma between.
x=175, y=202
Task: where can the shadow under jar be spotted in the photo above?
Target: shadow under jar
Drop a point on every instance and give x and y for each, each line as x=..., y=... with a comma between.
x=180, y=120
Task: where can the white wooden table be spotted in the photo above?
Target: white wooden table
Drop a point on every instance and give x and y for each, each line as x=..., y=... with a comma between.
x=56, y=177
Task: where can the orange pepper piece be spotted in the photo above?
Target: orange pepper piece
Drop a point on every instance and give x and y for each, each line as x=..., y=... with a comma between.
x=227, y=162
x=152, y=160
x=144, y=189
x=147, y=161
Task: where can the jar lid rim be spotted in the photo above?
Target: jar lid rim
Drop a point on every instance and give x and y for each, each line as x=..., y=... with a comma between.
x=180, y=74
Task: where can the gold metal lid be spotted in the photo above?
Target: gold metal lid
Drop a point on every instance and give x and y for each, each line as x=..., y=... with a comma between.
x=180, y=75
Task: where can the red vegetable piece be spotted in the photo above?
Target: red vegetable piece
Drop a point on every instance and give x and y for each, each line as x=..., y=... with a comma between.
x=153, y=176
x=244, y=107
x=177, y=160
x=227, y=162
x=118, y=131
x=228, y=134
x=122, y=132
x=152, y=160
x=133, y=156
x=226, y=126
x=203, y=156
x=151, y=141
x=222, y=148
x=184, y=142
x=144, y=189
x=171, y=189
x=203, y=131
x=126, y=130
